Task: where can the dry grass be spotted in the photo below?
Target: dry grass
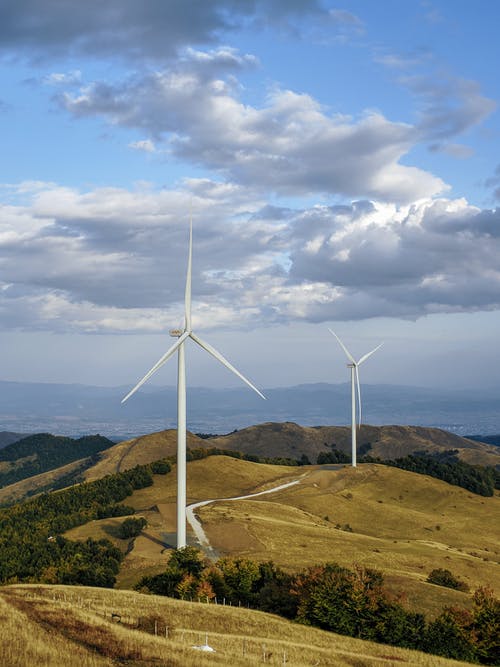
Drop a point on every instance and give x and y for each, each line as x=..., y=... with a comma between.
x=138, y=451
x=289, y=439
x=403, y=524
x=52, y=626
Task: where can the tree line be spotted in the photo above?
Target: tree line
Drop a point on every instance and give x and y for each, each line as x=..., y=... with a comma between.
x=329, y=596
x=41, y=452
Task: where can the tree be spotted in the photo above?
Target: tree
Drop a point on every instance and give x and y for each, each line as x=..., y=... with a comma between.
x=486, y=623
x=131, y=527
x=449, y=635
x=443, y=577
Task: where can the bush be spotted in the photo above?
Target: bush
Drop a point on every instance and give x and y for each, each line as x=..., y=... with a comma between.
x=131, y=527
x=442, y=577
x=161, y=467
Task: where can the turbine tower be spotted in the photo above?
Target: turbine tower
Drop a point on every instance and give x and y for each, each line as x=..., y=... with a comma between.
x=182, y=335
x=354, y=365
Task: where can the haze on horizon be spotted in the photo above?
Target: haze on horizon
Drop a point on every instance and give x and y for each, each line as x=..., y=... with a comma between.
x=341, y=161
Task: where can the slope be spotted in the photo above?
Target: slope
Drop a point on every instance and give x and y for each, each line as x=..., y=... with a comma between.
x=386, y=442
x=399, y=522
x=271, y=439
x=56, y=625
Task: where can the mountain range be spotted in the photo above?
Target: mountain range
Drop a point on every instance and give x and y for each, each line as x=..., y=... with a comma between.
x=73, y=409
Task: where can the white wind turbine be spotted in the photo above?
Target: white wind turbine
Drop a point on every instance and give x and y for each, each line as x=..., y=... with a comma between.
x=354, y=365
x=182, y=335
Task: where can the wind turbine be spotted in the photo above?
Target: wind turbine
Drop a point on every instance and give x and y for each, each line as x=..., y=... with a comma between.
x=354, y=365
x=182, y=335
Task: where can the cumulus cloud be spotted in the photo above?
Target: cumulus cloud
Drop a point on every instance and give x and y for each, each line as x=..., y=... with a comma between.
x=290, y=145
x=114, y=260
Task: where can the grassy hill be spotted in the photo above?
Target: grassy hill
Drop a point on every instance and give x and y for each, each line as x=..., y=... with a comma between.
x=60, y=625
x=386, y=442
x=271, y=439
x=399, y=522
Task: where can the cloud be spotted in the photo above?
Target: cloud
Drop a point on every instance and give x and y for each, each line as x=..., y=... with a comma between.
x=447, y=105
x=494, y=182
x=289, y=145
x=458, y=151
x=112, y=260
x=145, y=145
x=63, y=78
x=450, y=105
x=155, y=30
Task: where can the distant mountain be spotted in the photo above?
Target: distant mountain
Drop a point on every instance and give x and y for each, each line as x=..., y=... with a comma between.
x=489, y=439
x=80, y=409
x=7, y=438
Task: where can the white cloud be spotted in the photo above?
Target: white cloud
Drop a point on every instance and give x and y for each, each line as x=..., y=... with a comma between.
x=112, y=260
x=291, y=145
x=63, y=78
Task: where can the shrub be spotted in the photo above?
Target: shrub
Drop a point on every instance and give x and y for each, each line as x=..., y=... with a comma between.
x=131, y=527
x=445, y=578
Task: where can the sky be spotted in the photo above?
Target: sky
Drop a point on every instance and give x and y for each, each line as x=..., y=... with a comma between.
x=339, y=160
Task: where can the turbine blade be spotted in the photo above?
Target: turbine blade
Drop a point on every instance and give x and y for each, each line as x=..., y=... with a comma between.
x=369, y=354
x=349, y=355
x=356, y=371
x=158, y=364
x=187, y=296
x=211, y=350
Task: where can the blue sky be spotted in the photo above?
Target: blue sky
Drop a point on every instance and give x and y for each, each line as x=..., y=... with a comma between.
x=341, y=161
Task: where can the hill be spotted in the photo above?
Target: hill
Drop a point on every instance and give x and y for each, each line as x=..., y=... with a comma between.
x=61, y=625
x=8, y=437
x=286, y=440
x=41, y=452
x=379, y=517
x=399, y=522
x=385, y=442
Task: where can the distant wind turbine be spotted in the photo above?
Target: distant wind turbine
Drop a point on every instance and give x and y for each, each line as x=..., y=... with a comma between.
x=182, y=335
x=354, y=365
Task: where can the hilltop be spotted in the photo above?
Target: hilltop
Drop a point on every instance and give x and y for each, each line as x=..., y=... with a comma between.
x=385, y=442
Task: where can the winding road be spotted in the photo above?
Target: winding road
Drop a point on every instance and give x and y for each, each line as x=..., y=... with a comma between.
x=196, y=524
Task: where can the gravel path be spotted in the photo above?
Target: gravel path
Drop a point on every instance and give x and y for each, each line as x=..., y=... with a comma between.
x=196, y=524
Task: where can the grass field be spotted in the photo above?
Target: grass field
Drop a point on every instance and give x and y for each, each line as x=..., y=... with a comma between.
x=52, y=626
x=399, y=522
